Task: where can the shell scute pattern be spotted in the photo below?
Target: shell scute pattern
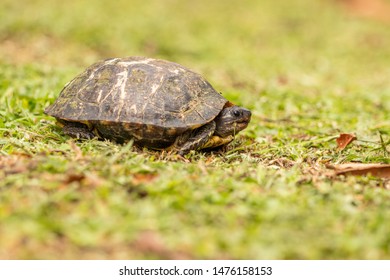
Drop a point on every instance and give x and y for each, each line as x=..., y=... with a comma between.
x=148, y=99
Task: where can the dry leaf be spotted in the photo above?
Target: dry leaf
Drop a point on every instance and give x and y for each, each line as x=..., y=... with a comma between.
x=344, y=140
x=362, y=169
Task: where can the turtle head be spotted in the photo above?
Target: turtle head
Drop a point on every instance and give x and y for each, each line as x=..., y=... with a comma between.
x=232, y=120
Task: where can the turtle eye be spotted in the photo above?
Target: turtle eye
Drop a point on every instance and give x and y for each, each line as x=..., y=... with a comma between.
x=236, y=113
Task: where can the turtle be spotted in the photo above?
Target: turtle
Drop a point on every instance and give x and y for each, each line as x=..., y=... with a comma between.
x=157, y=103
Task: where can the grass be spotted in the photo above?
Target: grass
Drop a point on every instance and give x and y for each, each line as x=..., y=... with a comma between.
x=306, y=75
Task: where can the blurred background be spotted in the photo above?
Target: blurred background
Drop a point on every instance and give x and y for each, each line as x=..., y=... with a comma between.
x=241, y=44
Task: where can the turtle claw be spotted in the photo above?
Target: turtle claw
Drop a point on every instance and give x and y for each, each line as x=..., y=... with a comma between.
x=78, y=131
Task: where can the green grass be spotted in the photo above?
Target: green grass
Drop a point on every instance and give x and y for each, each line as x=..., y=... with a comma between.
x=306, y=69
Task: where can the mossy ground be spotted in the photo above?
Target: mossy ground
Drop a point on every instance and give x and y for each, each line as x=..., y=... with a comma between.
x=308, y=70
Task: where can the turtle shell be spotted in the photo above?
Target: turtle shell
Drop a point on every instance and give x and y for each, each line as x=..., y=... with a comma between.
x=150, y=100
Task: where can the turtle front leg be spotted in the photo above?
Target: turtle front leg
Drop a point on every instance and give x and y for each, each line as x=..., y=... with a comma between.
x=77, y=130
x=198, y=139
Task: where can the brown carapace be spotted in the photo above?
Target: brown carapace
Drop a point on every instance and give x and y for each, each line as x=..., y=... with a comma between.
x=157, y=103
